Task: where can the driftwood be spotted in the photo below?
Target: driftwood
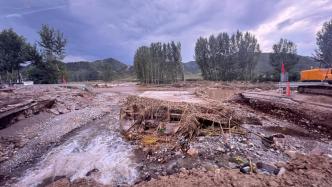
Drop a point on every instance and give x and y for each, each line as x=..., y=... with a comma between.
x=191, y=119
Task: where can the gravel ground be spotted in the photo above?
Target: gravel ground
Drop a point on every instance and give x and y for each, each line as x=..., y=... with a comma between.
x=314, y=170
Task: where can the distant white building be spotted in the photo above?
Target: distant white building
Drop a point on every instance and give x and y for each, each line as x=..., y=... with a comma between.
x=27, y=83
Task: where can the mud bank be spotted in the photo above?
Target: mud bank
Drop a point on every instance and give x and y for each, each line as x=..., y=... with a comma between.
x=316, y=116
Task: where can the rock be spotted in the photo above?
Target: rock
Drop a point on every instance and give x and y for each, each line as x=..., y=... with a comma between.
x=183, y=170
x=281, y=171
x=263, y=167
x=298, y=146
x=245, y=169
x=278, y=135
x=171, y=168
x=54, y=111
x=91, y=172
x=220, y=149
x=290, y=153
x=259, y=153
x=62, y=110
x=273, y=183
x=280, y=164
x=209, y=166
x=248, y=168
x=192, y=152
x=60, y=183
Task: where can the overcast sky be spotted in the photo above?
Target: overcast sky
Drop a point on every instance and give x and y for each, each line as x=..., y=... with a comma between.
x=98, y=29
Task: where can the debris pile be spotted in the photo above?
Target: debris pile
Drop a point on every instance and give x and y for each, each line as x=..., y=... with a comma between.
x=183, y=120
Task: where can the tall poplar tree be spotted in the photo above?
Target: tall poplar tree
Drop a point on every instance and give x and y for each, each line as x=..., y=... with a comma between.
x=160, y=63
x=324, y=43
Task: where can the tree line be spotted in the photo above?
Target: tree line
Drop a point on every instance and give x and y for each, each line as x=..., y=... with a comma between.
x=230, y=57
x=227, y=57
x=159, y=63
x=223, y=57
x=44, y=56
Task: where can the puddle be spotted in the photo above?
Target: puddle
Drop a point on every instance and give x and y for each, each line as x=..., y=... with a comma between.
x=97, y=152
x=286, y=131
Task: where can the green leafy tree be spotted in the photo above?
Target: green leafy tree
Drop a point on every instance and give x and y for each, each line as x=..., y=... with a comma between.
x=284, y=52
x=14, y=50
x=52, y=44
x=159, y=63
x=324, y=42
x=202, y=57
x=227, y=57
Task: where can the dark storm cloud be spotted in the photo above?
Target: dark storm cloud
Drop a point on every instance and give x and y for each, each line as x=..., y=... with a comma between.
x=110, y=28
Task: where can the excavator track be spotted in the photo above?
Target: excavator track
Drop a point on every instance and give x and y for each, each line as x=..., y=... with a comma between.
x=318, y=90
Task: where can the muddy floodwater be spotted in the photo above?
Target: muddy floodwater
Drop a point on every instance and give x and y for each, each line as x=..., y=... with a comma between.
x=96, y=151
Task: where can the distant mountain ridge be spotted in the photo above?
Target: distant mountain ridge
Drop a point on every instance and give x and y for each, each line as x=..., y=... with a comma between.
x=110, y=68
x=106, y=69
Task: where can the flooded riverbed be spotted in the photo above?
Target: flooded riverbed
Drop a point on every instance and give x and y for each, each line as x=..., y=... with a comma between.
x=96, y=151
x=84, y=146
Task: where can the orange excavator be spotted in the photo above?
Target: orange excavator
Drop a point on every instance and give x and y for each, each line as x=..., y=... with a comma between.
x=316, y=81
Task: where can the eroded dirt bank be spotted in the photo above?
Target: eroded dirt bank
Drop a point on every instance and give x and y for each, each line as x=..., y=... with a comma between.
x=172, y=136
x=314, y=170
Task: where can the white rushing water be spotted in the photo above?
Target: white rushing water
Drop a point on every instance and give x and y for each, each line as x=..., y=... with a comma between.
x=96, y=148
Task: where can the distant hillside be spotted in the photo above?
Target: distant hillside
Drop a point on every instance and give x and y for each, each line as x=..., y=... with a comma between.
x=106, y=69
x=191, y=67
x=263, y=65
x=111, y=69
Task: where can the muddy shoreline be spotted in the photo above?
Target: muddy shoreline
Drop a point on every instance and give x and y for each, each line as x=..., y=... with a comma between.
x=37, y=155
